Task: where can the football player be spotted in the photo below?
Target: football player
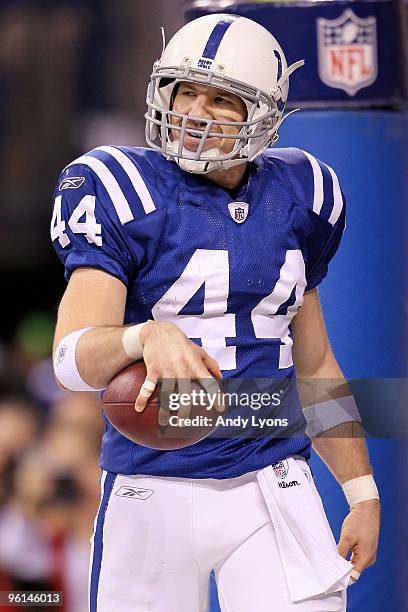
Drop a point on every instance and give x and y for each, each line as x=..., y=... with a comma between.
x=202, y=255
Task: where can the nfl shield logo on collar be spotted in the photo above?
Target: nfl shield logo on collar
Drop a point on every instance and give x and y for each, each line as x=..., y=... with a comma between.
x=238, y=211
x=347, y=49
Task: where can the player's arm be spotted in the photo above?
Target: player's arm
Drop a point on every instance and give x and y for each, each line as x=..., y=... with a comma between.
x=320, y=379
x=89, y=232
x=96, y=299
x=342, y=448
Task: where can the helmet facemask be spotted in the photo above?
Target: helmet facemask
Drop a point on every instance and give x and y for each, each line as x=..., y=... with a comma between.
x=254, y=134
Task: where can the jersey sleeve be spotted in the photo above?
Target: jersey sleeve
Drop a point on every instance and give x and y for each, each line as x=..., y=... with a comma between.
x=99, y=198
x=322, y=246
x=316, y=187
x=327, y=213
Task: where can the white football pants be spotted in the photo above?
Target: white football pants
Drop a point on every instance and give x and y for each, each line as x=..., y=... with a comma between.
x=265, y=535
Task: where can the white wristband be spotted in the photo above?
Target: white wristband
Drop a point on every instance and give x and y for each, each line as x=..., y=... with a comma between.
x=131, y=341
x=65, y=367
x=360, y=489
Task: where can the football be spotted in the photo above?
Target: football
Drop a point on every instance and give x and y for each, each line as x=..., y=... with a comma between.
x=144, y=427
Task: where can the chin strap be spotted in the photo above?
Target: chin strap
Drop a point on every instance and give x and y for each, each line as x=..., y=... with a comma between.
x=277, y=95
x=163, y=33
x=289, y=70
x=277, y=92
x=204, y=167
x=201, y=166
x=282, y=119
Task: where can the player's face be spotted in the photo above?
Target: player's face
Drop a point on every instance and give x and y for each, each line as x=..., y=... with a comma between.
x=196, y=100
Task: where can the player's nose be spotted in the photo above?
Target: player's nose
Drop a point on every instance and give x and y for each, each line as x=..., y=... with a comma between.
x=200, y=107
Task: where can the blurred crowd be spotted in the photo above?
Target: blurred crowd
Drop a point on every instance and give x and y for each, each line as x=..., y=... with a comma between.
x=73, y=75
x=49, y=474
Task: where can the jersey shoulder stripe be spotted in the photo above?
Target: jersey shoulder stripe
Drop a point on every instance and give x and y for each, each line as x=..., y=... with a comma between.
x=314, y=183
x=121, y=179
x=327, y=196
x=110, y=183
x=338, y=202
x=134, y=175
x=318, y=191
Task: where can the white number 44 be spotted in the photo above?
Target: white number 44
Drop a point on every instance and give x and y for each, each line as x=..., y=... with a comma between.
x=89, y=227
x=211, y=269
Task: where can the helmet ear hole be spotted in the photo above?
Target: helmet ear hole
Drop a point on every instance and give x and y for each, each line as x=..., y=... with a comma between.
x=163, y=82
x=173, y=95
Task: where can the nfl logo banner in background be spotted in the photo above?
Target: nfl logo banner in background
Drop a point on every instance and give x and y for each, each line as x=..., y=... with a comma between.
x=348, y=53
x=354, y=51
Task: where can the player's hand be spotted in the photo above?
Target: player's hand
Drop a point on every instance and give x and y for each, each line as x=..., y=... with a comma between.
x=169, y=355
x=359, y=534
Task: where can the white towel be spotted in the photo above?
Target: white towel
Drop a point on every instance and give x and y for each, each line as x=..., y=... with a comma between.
x=311, y=562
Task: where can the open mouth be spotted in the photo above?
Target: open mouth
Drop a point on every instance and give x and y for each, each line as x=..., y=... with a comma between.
x=192, y=140
x=194, y=133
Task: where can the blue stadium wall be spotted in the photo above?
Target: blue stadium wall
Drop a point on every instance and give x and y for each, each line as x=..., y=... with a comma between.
x=365, y=297
x=365, y=301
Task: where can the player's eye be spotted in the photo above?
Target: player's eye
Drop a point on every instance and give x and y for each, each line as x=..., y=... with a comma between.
x=189, y=93
x=223, y=100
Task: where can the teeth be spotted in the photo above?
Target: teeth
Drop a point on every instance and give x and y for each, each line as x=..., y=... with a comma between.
x=194, y=132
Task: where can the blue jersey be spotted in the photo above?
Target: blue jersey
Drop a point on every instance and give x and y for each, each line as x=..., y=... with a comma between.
x=228, y=270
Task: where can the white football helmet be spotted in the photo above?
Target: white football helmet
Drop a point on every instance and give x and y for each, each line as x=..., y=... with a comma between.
x=230, y=52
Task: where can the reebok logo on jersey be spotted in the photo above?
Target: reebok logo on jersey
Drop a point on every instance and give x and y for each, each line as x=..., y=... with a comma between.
x=287, y=485
x=73, y=182
x=134, y=493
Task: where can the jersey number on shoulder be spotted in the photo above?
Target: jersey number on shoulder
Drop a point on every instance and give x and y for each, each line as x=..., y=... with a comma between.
x=211, y=269
x=89, y=227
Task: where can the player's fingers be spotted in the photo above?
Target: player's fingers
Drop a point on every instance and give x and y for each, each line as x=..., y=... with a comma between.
x=354, y=576
x=214, y=392
x=146, y=391
x=167, y=389
x=184, y=389
x=344, y=546
x=211, y=364
x=362, y=558
x=168, y=385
